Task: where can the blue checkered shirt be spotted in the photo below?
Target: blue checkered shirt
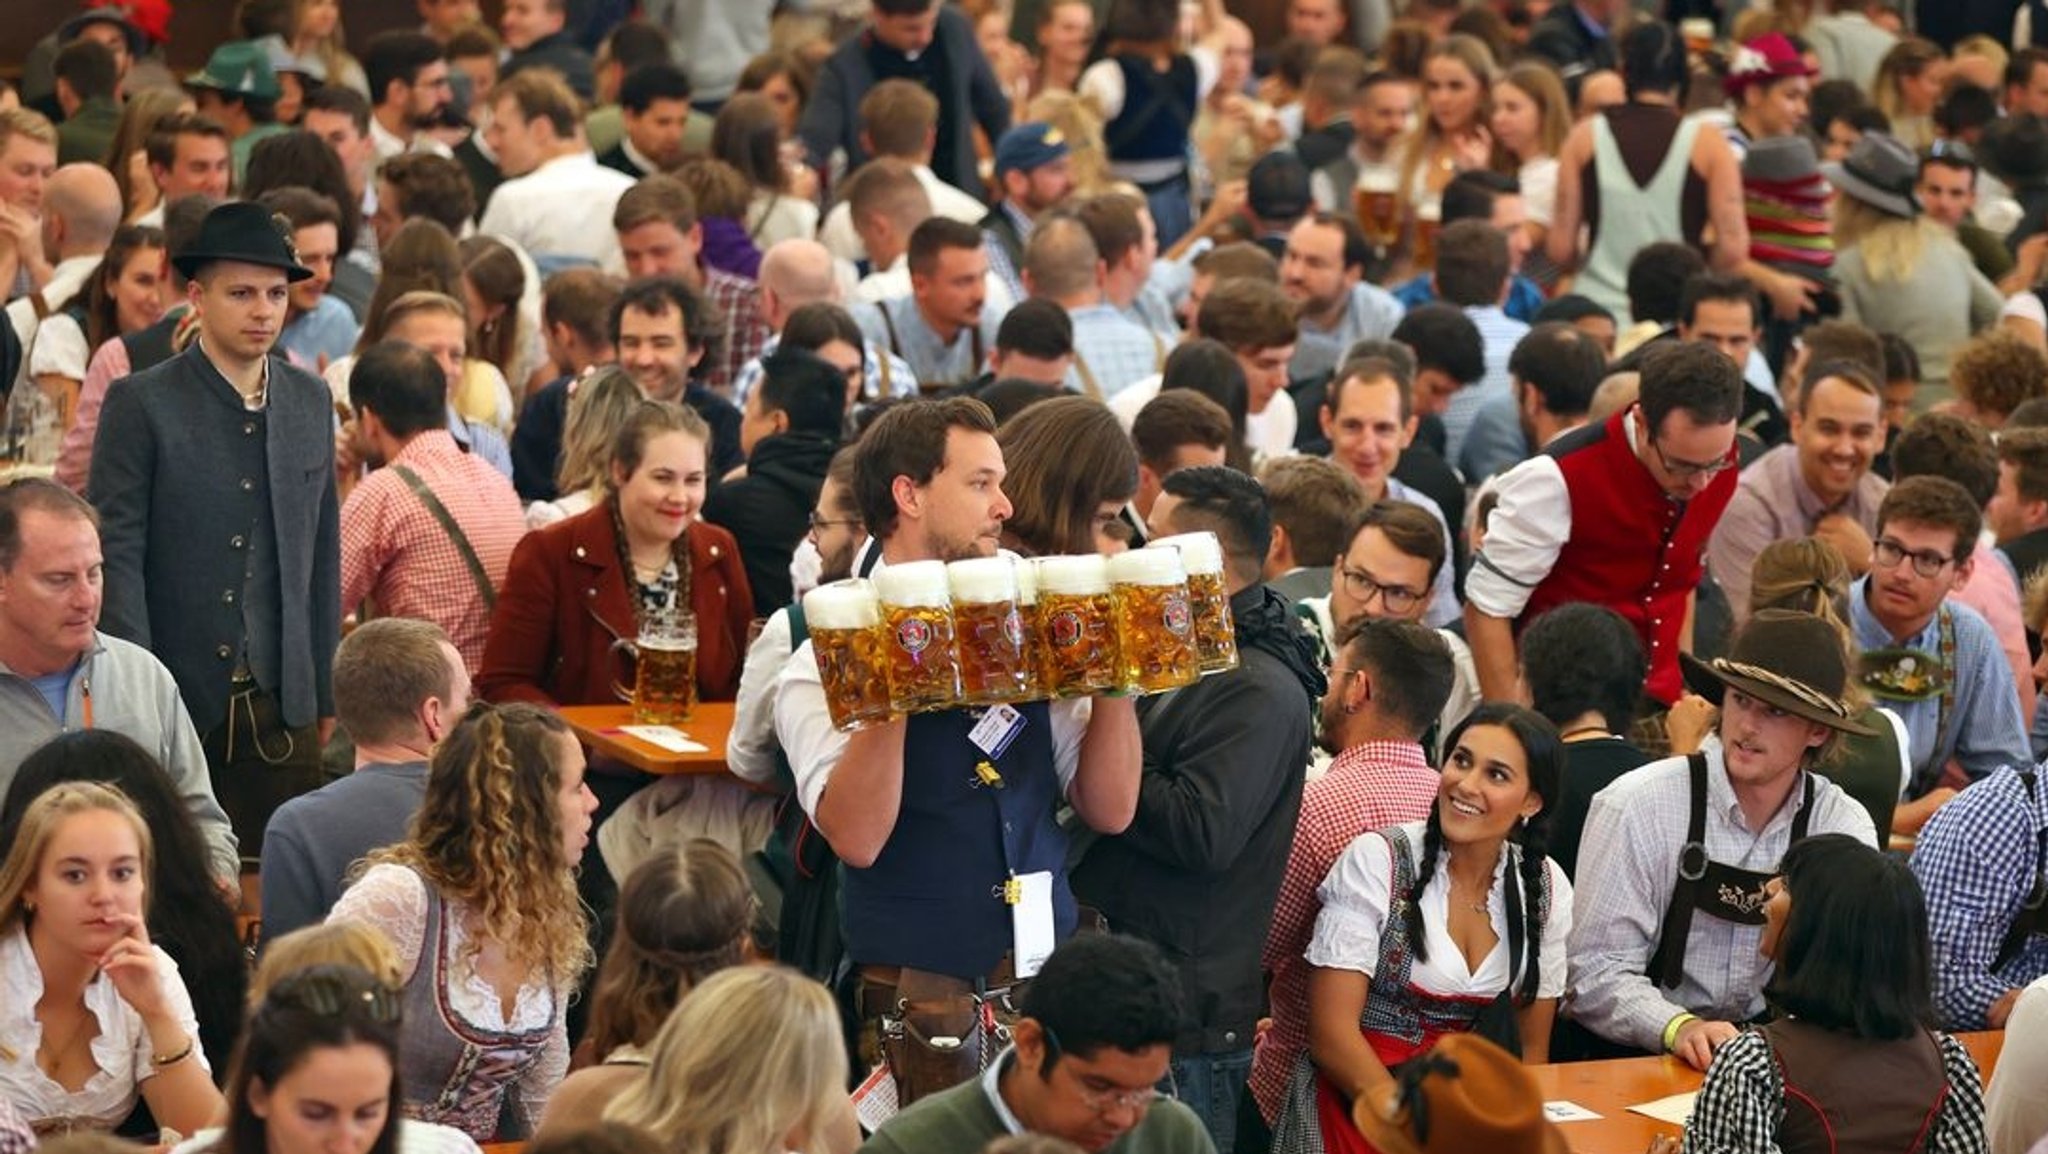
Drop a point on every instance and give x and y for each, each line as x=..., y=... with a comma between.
x=1976, y=859
x=1112, y=351
x=1499, y=333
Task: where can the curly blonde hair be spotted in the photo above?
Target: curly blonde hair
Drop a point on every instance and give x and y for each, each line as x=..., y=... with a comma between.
x=489, y=835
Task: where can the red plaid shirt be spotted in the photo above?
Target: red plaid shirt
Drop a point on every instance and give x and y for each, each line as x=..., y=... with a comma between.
x=737, y=302
x=394, y=551
x=1369, y=786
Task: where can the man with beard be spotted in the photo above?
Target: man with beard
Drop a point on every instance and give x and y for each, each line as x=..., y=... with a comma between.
x=664, y=333
x=1035, y=174
x=1324, y=272
x=911, y=806
x=1389, y=679
x=1218, y=797
x=409, y=89
x=940, y=329
x=1819, y=485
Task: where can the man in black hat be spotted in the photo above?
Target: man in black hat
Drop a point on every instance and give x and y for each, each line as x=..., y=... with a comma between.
x=213, y=473
x=1665, y=934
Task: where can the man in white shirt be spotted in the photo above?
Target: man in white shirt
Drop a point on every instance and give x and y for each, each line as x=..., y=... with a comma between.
x=409, y=88
x=188, y=156
x=899, y=121
x=558, y=201
x=81, y=208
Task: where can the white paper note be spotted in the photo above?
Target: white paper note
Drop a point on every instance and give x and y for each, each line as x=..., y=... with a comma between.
x=1675, y=1109
x=1568, y=1112
x=666, y=736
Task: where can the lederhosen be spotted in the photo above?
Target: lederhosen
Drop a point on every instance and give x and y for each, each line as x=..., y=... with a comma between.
x=2032, y=918
x=1709, y=887
x=930, y=388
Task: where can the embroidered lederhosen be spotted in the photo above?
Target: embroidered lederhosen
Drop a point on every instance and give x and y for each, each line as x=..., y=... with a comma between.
x=1717, y=890
x=1400, y=1021
x=2033, y=914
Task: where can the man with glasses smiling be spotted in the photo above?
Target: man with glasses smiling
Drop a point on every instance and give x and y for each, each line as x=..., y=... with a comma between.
x=1967, y=712
x=1096, y=1035
x=1616, y=514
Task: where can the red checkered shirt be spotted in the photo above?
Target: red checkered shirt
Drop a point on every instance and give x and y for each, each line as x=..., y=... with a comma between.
x=394, y=551
x=1368, y=787
x=737, y=302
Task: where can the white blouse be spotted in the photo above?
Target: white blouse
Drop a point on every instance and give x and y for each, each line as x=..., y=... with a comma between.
x=413, y=1138
x=122, y=1051
x=1538, y=178
x=1354, y=915
x=393, y=899
x=59, y=349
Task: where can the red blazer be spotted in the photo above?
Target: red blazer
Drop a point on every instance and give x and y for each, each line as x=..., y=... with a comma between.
x=565, y=601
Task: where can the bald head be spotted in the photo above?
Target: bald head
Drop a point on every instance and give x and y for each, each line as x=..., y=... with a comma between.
x=82, y=207
x=794, y=273
x=1061, y=262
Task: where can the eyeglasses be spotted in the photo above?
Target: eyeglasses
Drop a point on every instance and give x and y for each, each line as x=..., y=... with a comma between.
x=1887, y=554
x=1688, y=470
x=1361, y=585
x=818, y=521
x=1101, y=1101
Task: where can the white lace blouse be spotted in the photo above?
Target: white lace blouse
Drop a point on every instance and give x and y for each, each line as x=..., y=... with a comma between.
x=393, y=899
x=121, y=1051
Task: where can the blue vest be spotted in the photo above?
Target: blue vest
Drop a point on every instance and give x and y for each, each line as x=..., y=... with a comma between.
x=932, y=900
x=1158, y=111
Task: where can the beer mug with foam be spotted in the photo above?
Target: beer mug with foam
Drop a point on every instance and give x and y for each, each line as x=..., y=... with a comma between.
x=1377, y=200
x=845, y=622
x=1078, y=651
x=917, y=620
x=988, y=629
x=1154, y=621
x=1201, y=554
x=664, y=668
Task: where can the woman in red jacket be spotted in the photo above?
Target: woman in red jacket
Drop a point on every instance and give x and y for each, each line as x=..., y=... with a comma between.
x=578, y=585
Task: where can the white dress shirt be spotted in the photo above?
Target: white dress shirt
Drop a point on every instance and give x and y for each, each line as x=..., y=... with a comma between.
x=563, y=208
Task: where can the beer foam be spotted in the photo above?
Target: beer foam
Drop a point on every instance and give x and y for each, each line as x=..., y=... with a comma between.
x=913, y=583
x=1027, y=582
x=983, y=580
x=1147, y=567
x=848, y=604
x=1080, y=575
x=1200, y=553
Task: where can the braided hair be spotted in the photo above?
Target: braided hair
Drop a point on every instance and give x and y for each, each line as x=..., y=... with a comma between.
x=1544, y=752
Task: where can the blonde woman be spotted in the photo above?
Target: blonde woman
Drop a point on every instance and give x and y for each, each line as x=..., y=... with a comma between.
x=1451, y=135
x=599, y=406
x=94, y=1015
x=1901, y=273
x=330, y=944
x=481, y=903
x=1909, y=82
x=1531, y=117
x=316, y=33
x=752, y=1062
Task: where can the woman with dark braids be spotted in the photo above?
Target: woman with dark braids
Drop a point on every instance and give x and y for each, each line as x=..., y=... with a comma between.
x=683, y=916
x=1453, y=924
x=480, y=901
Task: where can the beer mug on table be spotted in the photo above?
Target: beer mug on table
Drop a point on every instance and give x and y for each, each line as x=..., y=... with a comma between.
x=1378, y=206
x=1155, y=623
x=1201, y=554
x=1078, y=653
x=988, y=631
x=845, y=623
x=664, y=668
x=917, y=620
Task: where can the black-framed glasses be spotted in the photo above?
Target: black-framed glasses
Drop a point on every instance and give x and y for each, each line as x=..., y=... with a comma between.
x=1887, y=554
x=1101, y=1101
x=1362, y=586
x=1687, y=470
x=818, y=521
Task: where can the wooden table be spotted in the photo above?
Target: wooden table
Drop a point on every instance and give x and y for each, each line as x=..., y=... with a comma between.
x=1610, y=1088
x=598, y=726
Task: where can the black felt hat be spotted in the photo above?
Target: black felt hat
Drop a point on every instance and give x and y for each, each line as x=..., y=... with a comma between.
x=244, y=232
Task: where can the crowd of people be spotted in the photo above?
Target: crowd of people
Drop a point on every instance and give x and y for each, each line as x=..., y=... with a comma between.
x=1625, y=434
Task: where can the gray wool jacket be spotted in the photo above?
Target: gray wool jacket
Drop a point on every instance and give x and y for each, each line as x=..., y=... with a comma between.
x=124, y=689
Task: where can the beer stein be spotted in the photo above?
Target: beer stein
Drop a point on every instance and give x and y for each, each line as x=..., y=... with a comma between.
x=988, y=631
x=917, y=619
x=1378, y=205
x=1201, y=554
x=1154, y=622
x=664, y=668
x=845, y=623
x=1078, y=651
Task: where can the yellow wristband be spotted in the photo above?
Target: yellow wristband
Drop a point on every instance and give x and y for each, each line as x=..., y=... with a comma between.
x=1672, y=1027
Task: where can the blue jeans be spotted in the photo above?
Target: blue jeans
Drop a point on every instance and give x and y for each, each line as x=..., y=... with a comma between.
x=1212, y=1085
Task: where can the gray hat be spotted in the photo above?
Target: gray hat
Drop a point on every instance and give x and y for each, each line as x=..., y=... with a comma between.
x=1880, y=172
x=1780, y=160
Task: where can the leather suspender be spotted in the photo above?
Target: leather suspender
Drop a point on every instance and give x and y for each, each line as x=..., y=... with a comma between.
x=447, y=522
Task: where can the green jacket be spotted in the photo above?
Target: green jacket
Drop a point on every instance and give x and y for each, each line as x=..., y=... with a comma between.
x=86, y=136
x=962, y=1120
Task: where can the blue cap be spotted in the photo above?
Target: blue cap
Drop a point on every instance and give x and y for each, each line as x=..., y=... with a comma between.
x=1028, y=145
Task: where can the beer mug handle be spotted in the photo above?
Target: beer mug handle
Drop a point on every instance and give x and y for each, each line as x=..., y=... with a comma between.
x=622, y=692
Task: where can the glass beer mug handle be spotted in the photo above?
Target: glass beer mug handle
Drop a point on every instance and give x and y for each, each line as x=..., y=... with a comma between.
x=623, y=691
